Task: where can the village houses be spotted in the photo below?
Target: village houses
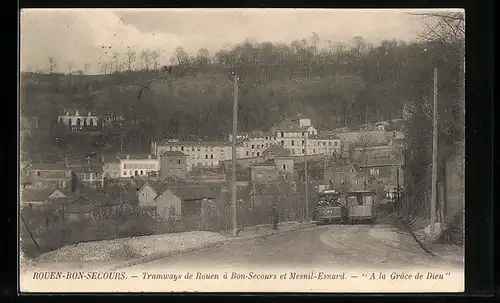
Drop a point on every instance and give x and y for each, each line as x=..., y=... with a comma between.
x=138, y=165
x=297, y=136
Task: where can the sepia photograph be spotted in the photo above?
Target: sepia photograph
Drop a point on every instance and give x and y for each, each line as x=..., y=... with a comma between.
x=242, y=150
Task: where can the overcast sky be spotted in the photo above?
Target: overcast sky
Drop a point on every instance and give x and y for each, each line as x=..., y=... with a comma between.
x=78, y=35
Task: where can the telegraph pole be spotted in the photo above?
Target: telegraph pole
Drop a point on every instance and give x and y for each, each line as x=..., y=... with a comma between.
x=306, y=179
x=235, y=127
x=434, y=153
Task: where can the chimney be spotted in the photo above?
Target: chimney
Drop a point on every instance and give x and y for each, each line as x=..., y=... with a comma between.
x=128, y=157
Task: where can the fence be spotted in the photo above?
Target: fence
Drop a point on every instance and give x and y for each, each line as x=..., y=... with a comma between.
x=48, y=229
x=52, y=229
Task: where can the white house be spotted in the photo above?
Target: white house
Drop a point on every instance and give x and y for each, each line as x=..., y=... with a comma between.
x=138, y=165
x=78, y=119
x=200, y=154
x=323, y=145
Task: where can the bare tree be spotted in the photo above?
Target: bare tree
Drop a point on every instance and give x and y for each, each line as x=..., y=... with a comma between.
x=181, y=56
x=145, y=60
x=131, y=57
x=155, y=59
x=52, y=65
x=114, y=61
x=104, y=68
x=86, y=68
x=448, y=27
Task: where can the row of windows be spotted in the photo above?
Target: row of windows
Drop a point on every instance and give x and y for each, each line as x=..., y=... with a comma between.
x=135, y=173
x=187, y=149
x=258, y=146
x=247, y=153
x=139, y=166
x=170, y=161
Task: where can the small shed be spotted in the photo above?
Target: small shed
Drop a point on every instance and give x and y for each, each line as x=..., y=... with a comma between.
x=182, y=201
x=39, y=197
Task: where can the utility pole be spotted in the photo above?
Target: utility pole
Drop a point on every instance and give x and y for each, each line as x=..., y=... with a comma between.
x=306, y=179
x=235, y=132
x=434, y=153
x=366, y=114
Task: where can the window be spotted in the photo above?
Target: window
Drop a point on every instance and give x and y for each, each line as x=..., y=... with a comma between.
x=169, y=161
x=284, y=166
x=39, y=173
x=83, y=176
x=253, y=146
x=182, y=148
x=282, y=134
x=303, y=151
x=335, y=143
x=178, y=161
x=303, y=134
x=136, y=173
x=246, y=153
x=125, y=173
x=253, y=154
x=142, y=172
x=283, y=142
x=206, y=156
x=211, y=156
x=329, y=143
x=314, y=151
x=303, y=142
x=258, y=154
x=324, y=143
x=125, y=166
x=293, y=142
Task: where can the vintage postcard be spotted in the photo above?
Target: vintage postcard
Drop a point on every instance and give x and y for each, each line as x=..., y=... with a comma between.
x=241, y=150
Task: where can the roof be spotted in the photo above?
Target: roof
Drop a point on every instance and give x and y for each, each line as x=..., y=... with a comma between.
x=137, y=156
x=325, y=137
x=83, y=161
x=173, y=153
x=49, y=166
x=99, y=198
x=381, y=162
x=290, y=126
x=158, y=186
x=81, y=112
x=111, y=158
x=361, y=191
x=86, y=169
x=262, y=164
x=198, y=143
x=36, y=194
x=276, y=150
x=187, y=193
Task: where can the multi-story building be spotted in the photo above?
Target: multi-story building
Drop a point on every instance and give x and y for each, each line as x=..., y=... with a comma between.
x=256, y=143
x=200, y=154
x=88, y=171
x=50, y=175
x=173, y=165
x=297, y=136
x=78, y=120
x=138, y=165
x=323, y=145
